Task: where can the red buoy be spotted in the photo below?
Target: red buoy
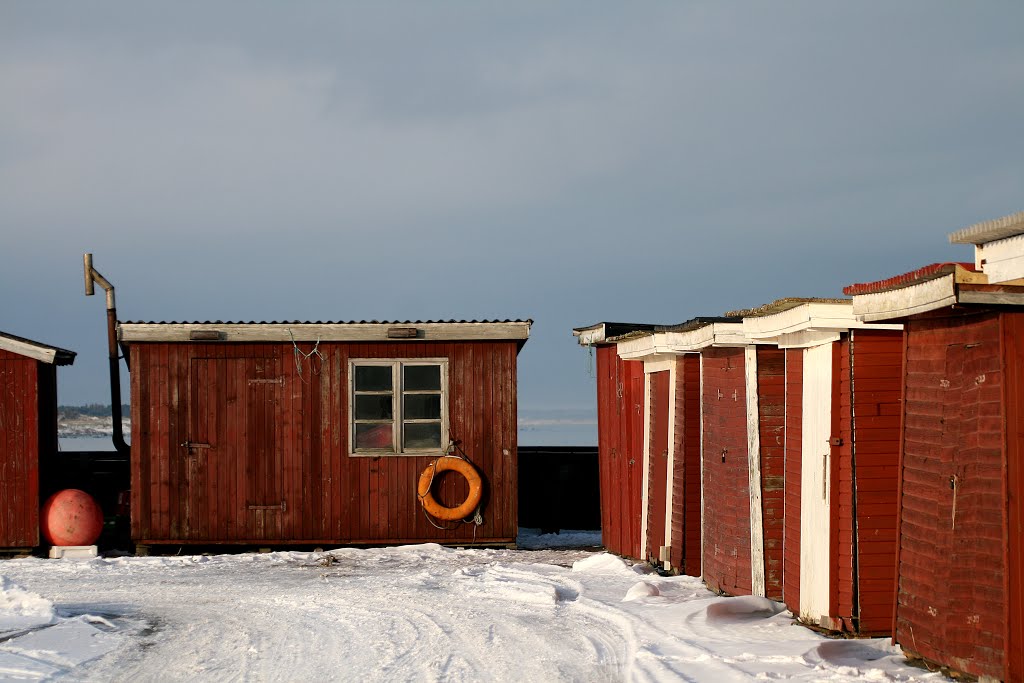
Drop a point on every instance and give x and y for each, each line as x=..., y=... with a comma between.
x=71, y=517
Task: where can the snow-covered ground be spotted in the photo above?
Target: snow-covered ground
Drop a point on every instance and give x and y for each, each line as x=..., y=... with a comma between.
x=420, y=612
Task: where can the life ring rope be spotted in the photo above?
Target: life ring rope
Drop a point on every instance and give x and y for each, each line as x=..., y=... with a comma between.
x=468, y=511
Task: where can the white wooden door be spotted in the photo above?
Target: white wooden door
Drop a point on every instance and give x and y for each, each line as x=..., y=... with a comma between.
x=815, y=493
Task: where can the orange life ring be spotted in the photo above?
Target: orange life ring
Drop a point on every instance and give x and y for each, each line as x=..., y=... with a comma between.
x=444, y=464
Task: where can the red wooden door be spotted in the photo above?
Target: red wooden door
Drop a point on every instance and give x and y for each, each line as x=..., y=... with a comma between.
x=231, y=459
x=686, y=467
x=265, y=503
x=726, y=557
x=657, y=474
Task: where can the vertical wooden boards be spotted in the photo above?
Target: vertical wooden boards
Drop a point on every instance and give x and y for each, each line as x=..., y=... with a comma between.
x=276, y=466
x=657, y=479
x=20, y=407
x=771, y=405
x=686, y=527
x=726, y=554
x=794, y=470
x=876, y=366
x=1013, y=352
x=815, y=484
x=620, y=442
x=952, y=590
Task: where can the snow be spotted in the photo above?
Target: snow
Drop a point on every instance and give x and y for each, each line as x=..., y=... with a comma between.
x=410, y=613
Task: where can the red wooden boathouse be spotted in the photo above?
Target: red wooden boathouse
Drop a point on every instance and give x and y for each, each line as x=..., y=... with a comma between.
x=670, y=522
x=723, y=454
x=620, y=406
x=28, y=432
x=840, y=443
x=275, y=433
x=960, y=566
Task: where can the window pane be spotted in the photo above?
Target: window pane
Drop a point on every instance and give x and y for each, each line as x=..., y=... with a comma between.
x=374, y=436
x=422, y=406
x=373, y=407
x=423, y=435
x=373, y=378
x=422, y=377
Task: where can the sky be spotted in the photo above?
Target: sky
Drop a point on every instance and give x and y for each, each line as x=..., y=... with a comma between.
x=566, y=162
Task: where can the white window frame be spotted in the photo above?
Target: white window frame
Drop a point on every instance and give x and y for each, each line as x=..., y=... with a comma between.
x=398, y=406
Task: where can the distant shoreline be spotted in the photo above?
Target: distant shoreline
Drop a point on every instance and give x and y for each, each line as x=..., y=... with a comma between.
x=88, y=426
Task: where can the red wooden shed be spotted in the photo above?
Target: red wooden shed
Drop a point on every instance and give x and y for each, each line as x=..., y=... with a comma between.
x=670, y=509
x=721, y=374
x=276, y=433
x=28, y=432
x=960, y=566
x=620, y=406
x=841, y=392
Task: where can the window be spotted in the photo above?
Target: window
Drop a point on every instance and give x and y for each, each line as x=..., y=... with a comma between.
x=398, y=406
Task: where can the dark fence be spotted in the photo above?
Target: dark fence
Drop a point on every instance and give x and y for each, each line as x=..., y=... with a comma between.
x=559, y=488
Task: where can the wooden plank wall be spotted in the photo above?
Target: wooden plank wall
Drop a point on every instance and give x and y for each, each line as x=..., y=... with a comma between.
x=20, y=397
x=877, y=376
x=686, y=467
x=255, y=393
x=952, y=591
x=771, y=408
x=657, y=476
x=620, y=450
x=726, y=562
x=794, y=436
x=843, y=594
x=1013, y=349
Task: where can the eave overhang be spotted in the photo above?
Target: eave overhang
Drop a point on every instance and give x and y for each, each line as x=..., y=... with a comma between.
x=807, y=324
x=44, y=353
x=507, y=330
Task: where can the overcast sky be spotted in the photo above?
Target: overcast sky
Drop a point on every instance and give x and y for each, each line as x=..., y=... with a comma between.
x=569, y=162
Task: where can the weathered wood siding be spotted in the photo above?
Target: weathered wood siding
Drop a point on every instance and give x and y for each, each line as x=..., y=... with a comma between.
x=726, y=563
x=874, y=396
x=771, y=408
x=1013, y=350
x=686, y=467
x=28, y=430
x=620, y=414
x=952, y=599
x=278, y=468
x=657, y=458
x=794, y=449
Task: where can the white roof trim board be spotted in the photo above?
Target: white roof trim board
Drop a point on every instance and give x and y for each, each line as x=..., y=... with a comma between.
x=808, y=324
x=897, y=303
x=36, y=351
x=658, y=344
x=588, y=336
x=512, y=330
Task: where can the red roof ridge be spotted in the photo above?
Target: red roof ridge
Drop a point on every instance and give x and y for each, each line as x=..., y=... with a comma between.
x=929, y=272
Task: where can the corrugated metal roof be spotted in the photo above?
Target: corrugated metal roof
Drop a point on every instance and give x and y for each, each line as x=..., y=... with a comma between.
x=990, y=231
x=36, y=350
x=929, y=272
x=367, y=331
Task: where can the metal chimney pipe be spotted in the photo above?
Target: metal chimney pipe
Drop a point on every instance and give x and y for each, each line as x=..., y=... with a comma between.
x=93, y=276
